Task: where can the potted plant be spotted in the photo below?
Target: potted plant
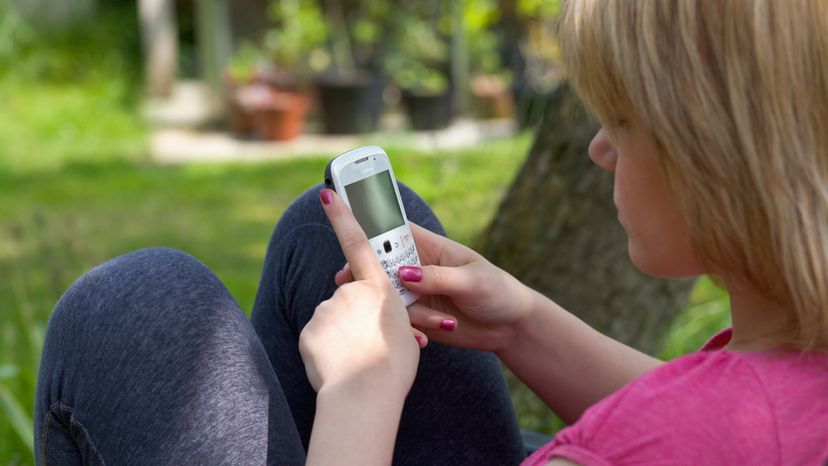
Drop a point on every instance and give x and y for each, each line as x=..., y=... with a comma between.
x=491, y=96
x=240, y=74
x=279, y=102
x=294, y=45
x=350, y=89
x=419, y=65
x=541, y=72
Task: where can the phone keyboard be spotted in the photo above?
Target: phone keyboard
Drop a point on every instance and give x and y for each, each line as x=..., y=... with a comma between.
x=406, y=256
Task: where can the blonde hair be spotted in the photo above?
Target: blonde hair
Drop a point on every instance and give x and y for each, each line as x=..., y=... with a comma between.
x=735, y=93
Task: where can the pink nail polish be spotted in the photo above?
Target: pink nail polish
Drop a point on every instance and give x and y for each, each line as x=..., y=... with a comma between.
x=410, y=273
x=448, y=325
x=419, y=338
x=326, y=195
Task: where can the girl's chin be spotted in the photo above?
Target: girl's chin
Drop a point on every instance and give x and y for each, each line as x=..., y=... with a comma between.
x=661, y=265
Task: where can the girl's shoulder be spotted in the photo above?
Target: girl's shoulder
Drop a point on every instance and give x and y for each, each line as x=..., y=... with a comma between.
x=710, y=407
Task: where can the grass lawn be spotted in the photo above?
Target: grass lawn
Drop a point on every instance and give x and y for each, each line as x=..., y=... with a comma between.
x=76, y=189
x=54, y=225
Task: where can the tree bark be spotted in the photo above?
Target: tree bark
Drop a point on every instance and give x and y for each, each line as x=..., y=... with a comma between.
x=215, y=48
x=160, y=42
x=557, y=231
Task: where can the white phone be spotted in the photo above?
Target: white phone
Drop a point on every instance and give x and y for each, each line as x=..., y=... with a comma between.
x=363, y=178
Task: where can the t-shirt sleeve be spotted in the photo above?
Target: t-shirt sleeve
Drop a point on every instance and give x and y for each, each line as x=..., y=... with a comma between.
x=705, y=408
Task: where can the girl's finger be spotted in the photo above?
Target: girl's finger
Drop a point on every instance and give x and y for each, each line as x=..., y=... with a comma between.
x=352, y=239
x=344, y=275
x=437, y=280
x=427, y=318
x=422, y=339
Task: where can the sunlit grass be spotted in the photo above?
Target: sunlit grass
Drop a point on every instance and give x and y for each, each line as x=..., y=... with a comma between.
x=76, y=188
x=46, y=126
x=54, y=225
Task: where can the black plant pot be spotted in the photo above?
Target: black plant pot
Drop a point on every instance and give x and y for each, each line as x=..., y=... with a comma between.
x=350, y=105
x=531, y=104
x=427, y=112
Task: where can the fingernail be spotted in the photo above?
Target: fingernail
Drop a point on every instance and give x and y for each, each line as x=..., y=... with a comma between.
x=419, y=338
x=326, y=195
x=410, y=273
x=448, y=325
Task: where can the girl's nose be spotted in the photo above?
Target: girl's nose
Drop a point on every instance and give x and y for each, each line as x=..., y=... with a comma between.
x=602, y=152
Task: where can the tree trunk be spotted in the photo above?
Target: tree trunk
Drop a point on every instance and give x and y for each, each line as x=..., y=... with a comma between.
x=557, y=231
x=159, y=36
x=215, y=48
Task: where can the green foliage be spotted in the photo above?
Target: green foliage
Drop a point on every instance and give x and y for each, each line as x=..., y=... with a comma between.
x=20, y=420
x=415, y=76
x=541, y=10
x=69, y=95
x=245, y=62
x=418, y=54
x=299, y=33
x=707, y=313
x=366, y=24
x=15, y=35
x=92, y=49
x=483, y=43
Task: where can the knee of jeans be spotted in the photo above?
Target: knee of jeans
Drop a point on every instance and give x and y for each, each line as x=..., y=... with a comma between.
x=149, y=259
x=306, y=208
x=139, y=278
x=149, y=304
x=134, y=268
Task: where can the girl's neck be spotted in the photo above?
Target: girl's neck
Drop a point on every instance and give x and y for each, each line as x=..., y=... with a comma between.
x=759, y=322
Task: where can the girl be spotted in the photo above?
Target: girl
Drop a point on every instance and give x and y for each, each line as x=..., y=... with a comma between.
x=713, y=117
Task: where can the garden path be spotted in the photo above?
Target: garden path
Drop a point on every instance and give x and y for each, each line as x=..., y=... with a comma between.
x=179, y=135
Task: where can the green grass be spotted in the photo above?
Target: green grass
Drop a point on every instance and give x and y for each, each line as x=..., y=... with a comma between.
x=46, y=127
x=68, y=94
x=54, y=225
x=76, y=188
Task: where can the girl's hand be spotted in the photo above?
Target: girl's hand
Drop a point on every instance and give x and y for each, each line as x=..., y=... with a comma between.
x=361, y=337
x=466, y=300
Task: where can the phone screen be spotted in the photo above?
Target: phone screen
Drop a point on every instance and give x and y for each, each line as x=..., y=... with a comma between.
x=374, y=204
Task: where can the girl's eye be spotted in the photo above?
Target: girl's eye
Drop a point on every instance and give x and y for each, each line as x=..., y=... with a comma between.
x=617, y=122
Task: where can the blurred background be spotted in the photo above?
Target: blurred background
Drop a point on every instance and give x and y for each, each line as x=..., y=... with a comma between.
x=194, y=123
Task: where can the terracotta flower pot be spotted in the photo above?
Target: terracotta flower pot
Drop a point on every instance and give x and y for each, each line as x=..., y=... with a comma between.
x=492, y=98
x=281, y=117
x=239, y=117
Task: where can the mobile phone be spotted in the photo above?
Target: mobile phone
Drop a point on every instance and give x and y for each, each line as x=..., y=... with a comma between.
x=363, y=178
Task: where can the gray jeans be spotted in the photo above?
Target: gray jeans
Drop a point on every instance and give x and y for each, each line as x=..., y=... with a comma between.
x=148, y=359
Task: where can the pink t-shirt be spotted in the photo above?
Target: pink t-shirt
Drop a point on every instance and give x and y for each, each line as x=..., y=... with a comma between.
x=714, y=407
